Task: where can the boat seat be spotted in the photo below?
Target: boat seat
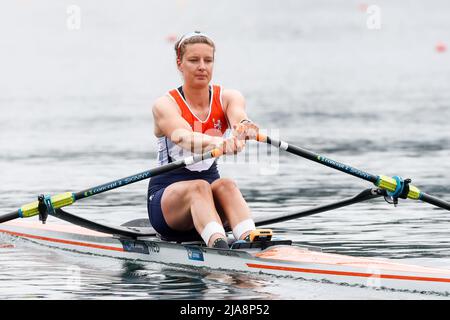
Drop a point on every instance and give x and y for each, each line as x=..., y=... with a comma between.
x=145, y=223
x=190, y=237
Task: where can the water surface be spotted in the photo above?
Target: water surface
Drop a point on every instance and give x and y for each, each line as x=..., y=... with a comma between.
x=76, y=112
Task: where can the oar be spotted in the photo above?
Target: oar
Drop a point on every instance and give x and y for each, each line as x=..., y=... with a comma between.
x=395, y=186
x=68, y=198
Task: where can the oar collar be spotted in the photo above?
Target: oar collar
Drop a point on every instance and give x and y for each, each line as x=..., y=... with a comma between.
x=45, y=207
x=401, y=189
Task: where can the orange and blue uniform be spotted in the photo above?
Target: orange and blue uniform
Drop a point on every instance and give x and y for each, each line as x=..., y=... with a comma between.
x=216, y=124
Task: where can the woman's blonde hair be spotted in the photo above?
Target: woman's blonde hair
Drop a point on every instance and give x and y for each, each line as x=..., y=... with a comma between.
x=191, y=38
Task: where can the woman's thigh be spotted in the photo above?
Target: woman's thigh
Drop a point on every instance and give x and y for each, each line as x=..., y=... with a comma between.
x=177, y=199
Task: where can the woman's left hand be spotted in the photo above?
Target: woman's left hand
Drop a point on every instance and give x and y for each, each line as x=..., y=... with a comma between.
x=246, y=130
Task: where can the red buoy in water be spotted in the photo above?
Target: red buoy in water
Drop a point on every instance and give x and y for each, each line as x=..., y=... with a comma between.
x=171, y=38
x=441, y=47
x=363, y=7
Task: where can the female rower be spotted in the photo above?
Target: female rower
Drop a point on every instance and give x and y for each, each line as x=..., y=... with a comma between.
x=197, y=117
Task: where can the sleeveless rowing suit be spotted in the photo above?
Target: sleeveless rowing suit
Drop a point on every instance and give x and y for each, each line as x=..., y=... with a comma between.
x=216, y=124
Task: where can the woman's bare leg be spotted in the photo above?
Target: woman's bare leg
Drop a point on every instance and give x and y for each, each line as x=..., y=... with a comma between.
x=229, y=199
x=188, y=204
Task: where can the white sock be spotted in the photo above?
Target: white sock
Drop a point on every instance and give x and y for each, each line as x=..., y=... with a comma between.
x=243, y=227
x=210, y=229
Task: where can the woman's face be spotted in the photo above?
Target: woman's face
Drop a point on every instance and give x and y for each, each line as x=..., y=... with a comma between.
x=197, y=64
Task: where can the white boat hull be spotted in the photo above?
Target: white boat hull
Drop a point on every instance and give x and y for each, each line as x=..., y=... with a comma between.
x=283, y=260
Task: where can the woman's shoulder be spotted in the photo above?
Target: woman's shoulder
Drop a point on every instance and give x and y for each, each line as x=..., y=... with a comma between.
x=231, y=95
x=163, y=103
x=162, y=100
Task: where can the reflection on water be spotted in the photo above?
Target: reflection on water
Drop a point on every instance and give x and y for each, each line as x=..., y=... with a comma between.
x=171, y=282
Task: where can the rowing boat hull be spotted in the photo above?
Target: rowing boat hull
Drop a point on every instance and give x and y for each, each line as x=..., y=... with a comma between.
x=283, y=260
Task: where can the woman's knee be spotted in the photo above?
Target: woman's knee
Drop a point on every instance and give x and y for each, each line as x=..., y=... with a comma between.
x=200, y=188
x=224, y=185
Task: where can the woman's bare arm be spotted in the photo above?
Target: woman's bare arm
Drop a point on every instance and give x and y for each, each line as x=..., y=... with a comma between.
x=169, y=122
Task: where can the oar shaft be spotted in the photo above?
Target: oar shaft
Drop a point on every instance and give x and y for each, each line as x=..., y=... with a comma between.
x=132, y=179
x=434, y=201
x=319, y=159
x=146, y=174
x=68, y=198
x=9, y=216
x=383, y=182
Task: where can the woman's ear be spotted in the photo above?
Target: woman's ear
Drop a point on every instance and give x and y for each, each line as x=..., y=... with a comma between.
x=179, y=64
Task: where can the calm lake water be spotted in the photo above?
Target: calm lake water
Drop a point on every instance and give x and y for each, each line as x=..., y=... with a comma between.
x=76, y=112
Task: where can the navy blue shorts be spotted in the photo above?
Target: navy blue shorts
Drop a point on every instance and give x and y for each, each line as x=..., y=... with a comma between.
x=156, y=189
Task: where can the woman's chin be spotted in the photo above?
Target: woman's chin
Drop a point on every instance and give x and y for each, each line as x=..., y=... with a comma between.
x=200, y=83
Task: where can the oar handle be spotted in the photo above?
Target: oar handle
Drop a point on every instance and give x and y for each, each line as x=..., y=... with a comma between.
x=65, y=199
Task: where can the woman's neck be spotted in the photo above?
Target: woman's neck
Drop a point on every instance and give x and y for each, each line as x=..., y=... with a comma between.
x=197, y=97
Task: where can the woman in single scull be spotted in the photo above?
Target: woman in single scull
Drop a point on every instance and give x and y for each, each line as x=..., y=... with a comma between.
x=194, y=118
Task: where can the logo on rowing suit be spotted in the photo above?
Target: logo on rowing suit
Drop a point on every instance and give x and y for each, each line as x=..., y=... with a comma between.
x=217, y=125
